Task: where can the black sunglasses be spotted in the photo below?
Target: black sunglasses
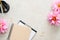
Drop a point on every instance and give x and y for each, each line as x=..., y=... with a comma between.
x=4, y=7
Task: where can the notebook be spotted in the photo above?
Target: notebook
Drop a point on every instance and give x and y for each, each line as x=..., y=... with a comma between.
x=33, y=31
x=21, y=31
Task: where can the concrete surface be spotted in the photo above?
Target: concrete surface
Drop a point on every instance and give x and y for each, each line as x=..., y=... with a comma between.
x=34, y=13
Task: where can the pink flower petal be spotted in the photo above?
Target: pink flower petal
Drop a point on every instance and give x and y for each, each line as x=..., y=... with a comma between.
x=52, y=22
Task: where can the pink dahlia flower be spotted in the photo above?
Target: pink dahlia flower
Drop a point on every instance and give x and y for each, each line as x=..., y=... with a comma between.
x=3, y=26
x=56, y=6
x=54, y=19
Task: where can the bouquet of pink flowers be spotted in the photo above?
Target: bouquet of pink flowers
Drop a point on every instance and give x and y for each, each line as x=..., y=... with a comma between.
x=54, y=16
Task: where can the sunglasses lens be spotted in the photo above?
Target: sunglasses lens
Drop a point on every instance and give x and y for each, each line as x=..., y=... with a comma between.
x=0, y=10
x=5, y=7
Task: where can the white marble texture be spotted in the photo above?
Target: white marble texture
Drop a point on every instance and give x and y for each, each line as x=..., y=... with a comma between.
x=34, y=13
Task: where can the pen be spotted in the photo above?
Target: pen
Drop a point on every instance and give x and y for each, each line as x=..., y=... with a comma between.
x=10, y=32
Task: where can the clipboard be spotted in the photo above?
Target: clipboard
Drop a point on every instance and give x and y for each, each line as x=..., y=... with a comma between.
x=21, y=31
